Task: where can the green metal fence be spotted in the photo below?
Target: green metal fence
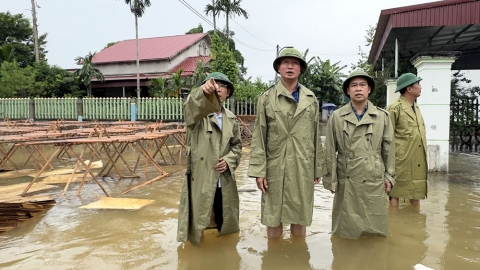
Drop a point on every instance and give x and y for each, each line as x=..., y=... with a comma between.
x=14, y=108
x=148, y=109
x=55, y=108
x=106, y=108
x=166, y=109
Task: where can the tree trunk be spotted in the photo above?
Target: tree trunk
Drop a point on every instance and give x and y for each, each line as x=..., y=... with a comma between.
x=214, y=17
x=138, y=61
x=227, y=14
x=35, y=32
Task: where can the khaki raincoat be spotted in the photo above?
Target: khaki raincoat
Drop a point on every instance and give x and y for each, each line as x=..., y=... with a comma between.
x=287, y=150
x=410, y=150
x=360, y=158
x=206, y=144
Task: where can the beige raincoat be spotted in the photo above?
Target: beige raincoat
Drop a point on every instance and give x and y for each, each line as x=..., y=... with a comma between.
x=206, y=144
x=360, y=158
x=410, y=150
x=287, y=150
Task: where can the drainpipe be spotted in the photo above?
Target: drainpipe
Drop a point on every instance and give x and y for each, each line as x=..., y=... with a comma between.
x=396, y=58
x=133, y=110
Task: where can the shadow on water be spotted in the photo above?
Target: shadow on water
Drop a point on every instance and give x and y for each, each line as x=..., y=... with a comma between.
x=444, y=233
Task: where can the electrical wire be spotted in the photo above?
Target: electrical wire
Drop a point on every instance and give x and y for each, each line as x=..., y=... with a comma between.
x=211, y=24
x=251, y=33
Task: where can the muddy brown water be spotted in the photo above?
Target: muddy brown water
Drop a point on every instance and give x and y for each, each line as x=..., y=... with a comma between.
x=443, y=234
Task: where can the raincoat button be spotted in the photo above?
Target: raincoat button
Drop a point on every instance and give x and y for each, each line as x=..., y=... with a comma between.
x=348, y=177
x=368, y=139
x=419, y=145
x=366, y=158
x=364, y=181
x=201, y=158
x=418, y=165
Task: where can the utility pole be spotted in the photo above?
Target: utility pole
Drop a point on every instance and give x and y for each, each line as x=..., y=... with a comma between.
x=35, y=31
x=276, y=74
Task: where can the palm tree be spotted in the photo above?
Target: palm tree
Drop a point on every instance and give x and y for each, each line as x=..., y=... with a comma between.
x=231, y=8
x=214, y=8
x=157, y=86
x=88, y=71
x=6, y=53
x=137, y=7
x=175, y=83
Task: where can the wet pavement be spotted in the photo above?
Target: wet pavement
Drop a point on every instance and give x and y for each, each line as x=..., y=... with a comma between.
x=443, y=234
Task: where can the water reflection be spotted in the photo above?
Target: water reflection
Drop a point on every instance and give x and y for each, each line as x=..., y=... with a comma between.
x=289, y=253
x=214, y=253
x=442, y=234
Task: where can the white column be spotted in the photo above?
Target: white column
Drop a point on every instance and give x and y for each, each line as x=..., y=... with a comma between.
x=434, y=103
x=391, y=95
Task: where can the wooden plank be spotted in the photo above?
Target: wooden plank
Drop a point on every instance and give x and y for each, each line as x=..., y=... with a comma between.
x=8, y=193
x=118, y=203
x=15, y=174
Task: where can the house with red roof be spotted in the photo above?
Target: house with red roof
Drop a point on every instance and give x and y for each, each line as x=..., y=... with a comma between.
x=158, y=56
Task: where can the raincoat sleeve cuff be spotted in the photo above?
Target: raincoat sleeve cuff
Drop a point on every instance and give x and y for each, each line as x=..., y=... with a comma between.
x=390, y=179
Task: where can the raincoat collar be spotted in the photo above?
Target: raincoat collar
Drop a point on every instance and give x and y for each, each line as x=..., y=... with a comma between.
x=347, y=112
x=407, y=108
x=306, y=98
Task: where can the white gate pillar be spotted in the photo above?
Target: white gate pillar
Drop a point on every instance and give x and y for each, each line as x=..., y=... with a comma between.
x=434, y=102
x=391, y=86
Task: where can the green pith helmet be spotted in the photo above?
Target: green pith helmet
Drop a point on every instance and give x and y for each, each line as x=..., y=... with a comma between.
x=290, y=52
x=358, y=73
x=218, y=76
x=406, y=80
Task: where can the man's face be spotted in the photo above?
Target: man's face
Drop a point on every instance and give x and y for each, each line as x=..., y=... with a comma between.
x=358, y=89
x=223, y=91
x=289, y=68
x=415, y=89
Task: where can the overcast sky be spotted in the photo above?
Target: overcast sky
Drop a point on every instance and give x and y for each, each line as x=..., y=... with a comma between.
x=331, y=29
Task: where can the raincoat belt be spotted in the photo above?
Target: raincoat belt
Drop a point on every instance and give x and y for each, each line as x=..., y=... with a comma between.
x=356, y=154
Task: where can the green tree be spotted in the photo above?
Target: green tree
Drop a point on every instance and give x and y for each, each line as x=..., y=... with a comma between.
x=175, y=83
x=247, y=89
x=198, y=75
x=6, y=53
x=17, y=82
x=137, y=7
x=223, y=60
x=17, y=31
x=324, y=79
x=88, y=71
x=231, y=8
x=157, y=86
x=110, y=44
x=214, y=9
x=231, y=45
x=196, y=30
x=53, y=81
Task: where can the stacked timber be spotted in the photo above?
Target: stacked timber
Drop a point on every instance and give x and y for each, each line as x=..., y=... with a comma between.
x=15, y=210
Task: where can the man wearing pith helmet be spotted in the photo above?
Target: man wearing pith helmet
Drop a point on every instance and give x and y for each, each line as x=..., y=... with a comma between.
x=287, y=157
x=410, y=142
x=214, y=149
x=360, y=153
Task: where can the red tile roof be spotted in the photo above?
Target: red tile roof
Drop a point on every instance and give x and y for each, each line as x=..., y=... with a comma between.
x=148, y=48
x=190, y=64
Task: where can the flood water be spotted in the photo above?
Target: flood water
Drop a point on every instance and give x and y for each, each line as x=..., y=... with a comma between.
x=443, y=234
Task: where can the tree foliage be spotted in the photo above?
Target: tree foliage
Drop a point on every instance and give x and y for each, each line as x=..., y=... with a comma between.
x=247, y=89
x=16, y=81
x=196, y=30
x=88, y=71
x=231, y=8
x=137, y=7
x=324, y=79
x=17, y=31
x=223, y=60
